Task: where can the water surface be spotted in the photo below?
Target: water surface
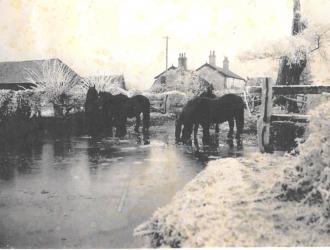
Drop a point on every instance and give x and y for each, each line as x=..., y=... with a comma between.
x=79, y=193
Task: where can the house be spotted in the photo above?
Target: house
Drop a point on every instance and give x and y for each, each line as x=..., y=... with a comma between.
x=108, y=81
x=255, y=81
x=221, y=78
x=14, y=75
x=178, y=78
x=162, y=76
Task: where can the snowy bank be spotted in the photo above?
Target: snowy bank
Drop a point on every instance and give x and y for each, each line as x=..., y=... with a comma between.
x=263, y=200
x=231, y=203
x=309, y=181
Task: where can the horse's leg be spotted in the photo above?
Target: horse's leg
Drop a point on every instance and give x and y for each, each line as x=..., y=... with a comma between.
x=206, y=134
x=117, y=125
x=123, y=126
x=189, y=132
x=146, y=120
x=217, y=128
x=120, y=125
x=239, y=128
x=120, y=129
x=230, y=133
x=195, y=134
x=110, y=126
x=186, y=134
x=231, y=129
x=138, y=122
x=178, y=125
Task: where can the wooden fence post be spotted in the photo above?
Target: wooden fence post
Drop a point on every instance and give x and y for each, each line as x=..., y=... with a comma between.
x=263, y=125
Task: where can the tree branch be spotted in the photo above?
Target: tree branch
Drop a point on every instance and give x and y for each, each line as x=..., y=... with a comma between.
x=318, y=44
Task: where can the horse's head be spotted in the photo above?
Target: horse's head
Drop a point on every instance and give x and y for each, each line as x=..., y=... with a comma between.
x=92, y=94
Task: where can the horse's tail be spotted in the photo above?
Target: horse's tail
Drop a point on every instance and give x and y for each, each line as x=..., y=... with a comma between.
x=178, y=127
x=146, y=115
x=240, y=120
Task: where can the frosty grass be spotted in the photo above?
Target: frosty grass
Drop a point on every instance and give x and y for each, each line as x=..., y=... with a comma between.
x=261, y=200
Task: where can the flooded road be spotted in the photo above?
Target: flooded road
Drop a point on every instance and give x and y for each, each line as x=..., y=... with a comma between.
x=76, y=193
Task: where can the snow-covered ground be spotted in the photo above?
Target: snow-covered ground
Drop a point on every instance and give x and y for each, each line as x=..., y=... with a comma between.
x=260, y=200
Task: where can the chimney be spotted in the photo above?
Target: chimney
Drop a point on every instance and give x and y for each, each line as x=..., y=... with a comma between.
x=225, y=64
x=212, y=59
x=182, y=61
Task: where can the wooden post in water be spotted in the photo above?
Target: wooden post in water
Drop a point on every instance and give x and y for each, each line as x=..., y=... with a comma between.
x=263, y=126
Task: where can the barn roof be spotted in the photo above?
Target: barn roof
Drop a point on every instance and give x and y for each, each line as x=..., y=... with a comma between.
x=15, y=72
x=170, y=68
x=222, y=71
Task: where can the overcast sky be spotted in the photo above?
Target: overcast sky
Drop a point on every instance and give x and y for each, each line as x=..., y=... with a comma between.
x=126, y=36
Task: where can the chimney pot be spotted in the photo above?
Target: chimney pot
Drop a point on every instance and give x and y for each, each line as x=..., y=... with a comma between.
x=226, y=63
x=212, y=58
x=182, y=61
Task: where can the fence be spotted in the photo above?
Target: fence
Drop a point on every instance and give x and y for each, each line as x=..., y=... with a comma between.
x=267, y=117
x=169, y=102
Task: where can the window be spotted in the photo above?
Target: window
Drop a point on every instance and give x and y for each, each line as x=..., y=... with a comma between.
x=163, y=79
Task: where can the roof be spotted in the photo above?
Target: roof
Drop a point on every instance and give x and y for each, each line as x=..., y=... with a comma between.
x=16, y=72
x=222, y=71
x=170, y=68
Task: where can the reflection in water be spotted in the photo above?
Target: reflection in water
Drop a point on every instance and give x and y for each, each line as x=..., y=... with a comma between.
x=74, y=183
x=23, y=160
x=216, y=150
x=141, y=137
x=7, y=169
x=17, y=158
x=62, y=148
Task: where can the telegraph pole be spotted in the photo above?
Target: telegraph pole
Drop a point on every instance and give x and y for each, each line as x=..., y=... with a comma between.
x=166, y=37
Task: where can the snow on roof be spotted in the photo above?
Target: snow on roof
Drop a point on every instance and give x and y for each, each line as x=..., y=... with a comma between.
x=15, y=72
x=222, y=71
x=170, y=68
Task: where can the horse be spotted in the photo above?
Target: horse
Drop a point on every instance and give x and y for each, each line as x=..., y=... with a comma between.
x=209, y=93
x=139, y=104
x=117, y=108
x=92, y=114
x=204, y=111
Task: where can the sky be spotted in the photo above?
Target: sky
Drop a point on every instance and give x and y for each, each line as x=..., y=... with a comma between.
x=127, y=36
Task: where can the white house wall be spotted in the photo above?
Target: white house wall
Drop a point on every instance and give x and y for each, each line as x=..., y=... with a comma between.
x=233, y=83
x=213, y=77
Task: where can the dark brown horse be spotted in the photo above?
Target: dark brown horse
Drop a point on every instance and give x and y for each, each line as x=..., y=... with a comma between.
x=205, y=111
x=116, y=109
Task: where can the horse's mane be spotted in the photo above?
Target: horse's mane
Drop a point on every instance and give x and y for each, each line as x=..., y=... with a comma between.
x=106, y=93
x=209, y=95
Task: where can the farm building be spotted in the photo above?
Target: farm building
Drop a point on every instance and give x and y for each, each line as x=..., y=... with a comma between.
x=179, y=78
x=14, y=75
x=108, y=81
x=220, y=78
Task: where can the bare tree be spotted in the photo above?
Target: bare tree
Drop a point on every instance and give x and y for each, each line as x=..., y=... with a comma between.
x=289, y=73
x=56, y=83
x=109, y=83
x=295, y=52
